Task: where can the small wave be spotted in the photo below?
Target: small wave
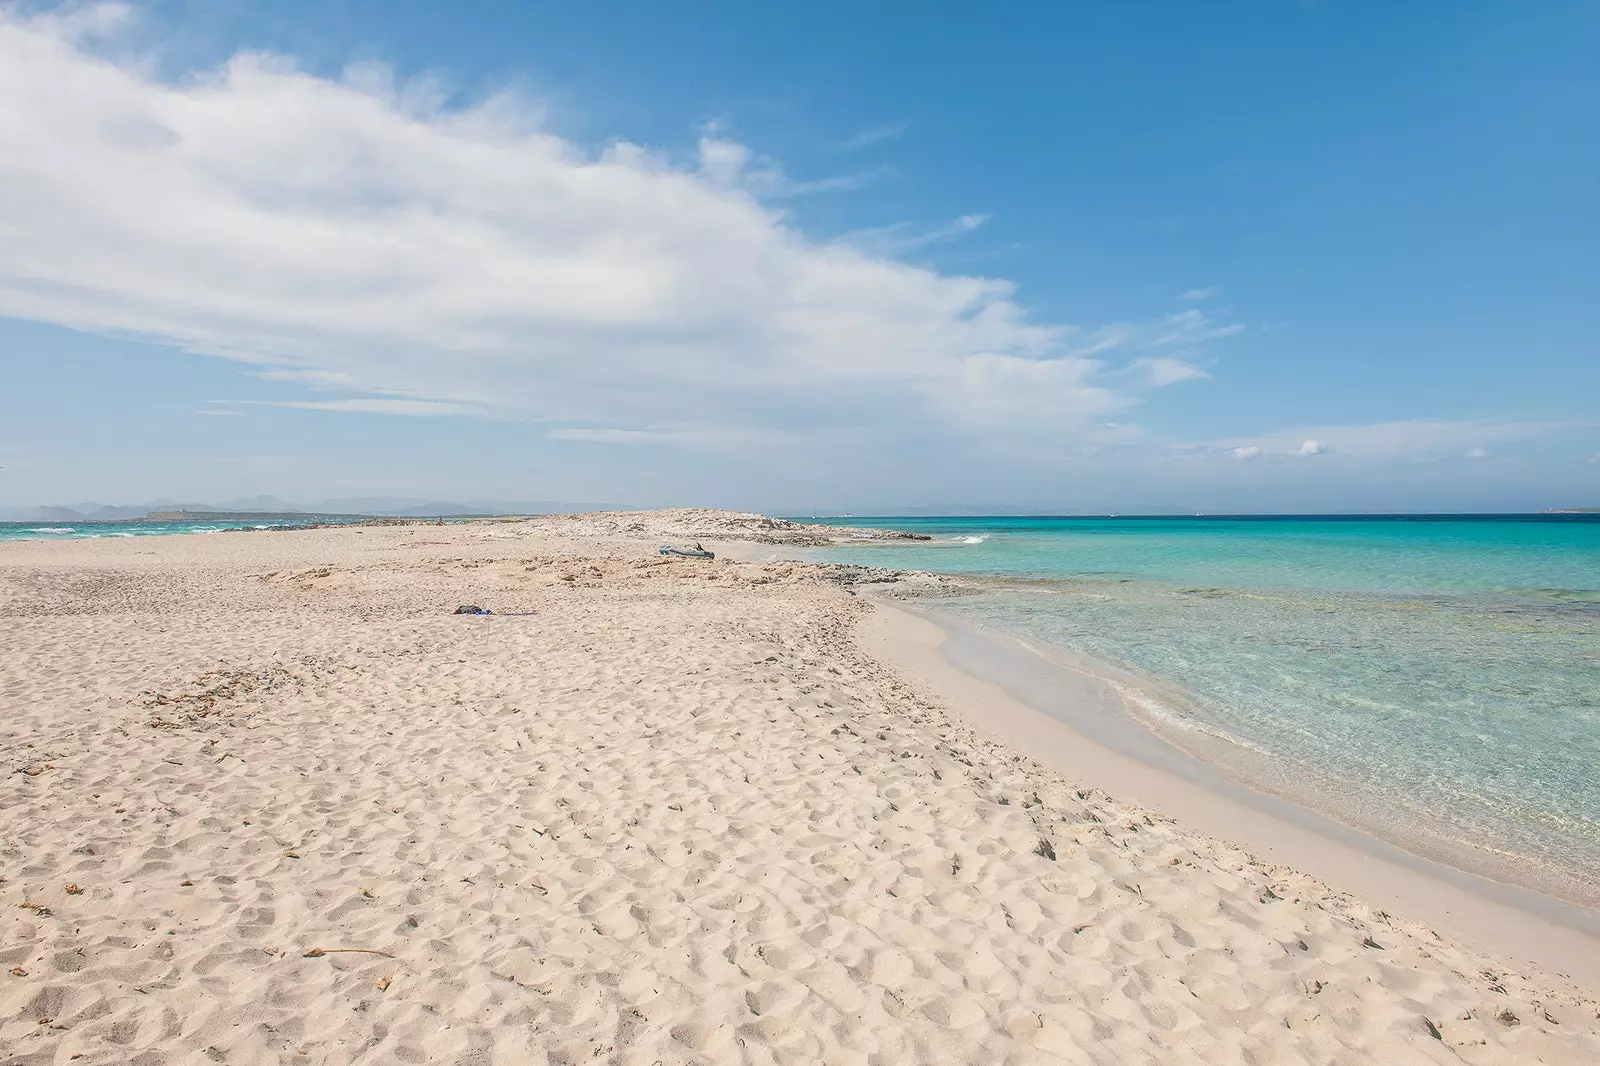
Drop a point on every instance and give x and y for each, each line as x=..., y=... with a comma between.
x=52, y=529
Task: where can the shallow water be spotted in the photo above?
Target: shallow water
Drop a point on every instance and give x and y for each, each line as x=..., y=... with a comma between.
x=1440, y=673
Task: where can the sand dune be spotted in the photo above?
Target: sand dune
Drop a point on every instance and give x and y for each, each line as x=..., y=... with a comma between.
x=267, y=800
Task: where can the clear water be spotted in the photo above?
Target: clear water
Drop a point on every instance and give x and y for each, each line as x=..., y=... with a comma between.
x=92, y=530
x=1445, y=671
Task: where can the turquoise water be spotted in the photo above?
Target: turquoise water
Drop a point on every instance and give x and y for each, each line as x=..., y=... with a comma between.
x=1441, y=673
x=92, y=530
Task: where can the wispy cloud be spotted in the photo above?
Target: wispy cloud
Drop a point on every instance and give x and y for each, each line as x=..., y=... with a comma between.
x=1191, y=327
x=1475, y=453
x=607, y=436
x=900, y=238
x=1196, y=295
x=1247, y=451
x=732, y=165
x=357, y=237
x=1161, y=372
x=367, y=405
x=872, y=135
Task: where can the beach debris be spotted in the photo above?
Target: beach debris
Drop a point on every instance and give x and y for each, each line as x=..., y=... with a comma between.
x=74, y=889
x=186, y=883
x=18, y=971
x=38, y=908
x=685, y=552
x=1507, y=1017
x=1433, y=1030
x=317, y=953
x=1045, y=849
x=291, y=854
x=1368, y=942
x=471, y=608
x=383, y=983
x=212, y=693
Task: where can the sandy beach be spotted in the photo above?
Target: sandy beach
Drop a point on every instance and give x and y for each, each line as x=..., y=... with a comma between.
x=269, y=800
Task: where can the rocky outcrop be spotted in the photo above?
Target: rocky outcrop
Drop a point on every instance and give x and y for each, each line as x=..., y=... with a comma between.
x=698, y=523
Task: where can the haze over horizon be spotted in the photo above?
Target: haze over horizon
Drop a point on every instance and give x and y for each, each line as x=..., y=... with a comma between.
x=1305, y=258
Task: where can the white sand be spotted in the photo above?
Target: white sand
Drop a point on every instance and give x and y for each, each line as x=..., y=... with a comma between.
x=677, y=815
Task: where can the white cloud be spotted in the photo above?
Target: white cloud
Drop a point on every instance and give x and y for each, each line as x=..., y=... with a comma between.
x=1475, y=453
x=1310, y=448
x=358, y=237
x=1595, y=458
x=1163, y=372
x=1248, y=451
x=1415, y=439
x=1207, y=293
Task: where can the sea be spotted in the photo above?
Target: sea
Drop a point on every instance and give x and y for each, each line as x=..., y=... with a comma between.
x=91, y=530
x=1433, y=679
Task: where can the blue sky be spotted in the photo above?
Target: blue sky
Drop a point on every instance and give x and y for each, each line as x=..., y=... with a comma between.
x=1265, y=256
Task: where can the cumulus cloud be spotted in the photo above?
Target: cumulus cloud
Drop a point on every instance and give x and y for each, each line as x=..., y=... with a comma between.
x=1475, y=453
x=1310, y=448
x=359, y=240
x=1247, y=451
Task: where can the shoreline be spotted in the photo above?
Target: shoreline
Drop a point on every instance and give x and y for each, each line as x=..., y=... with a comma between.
x=274, y=798
x=1134, y=763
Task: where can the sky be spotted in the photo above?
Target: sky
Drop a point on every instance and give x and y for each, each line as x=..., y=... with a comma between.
x=1270, y=256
